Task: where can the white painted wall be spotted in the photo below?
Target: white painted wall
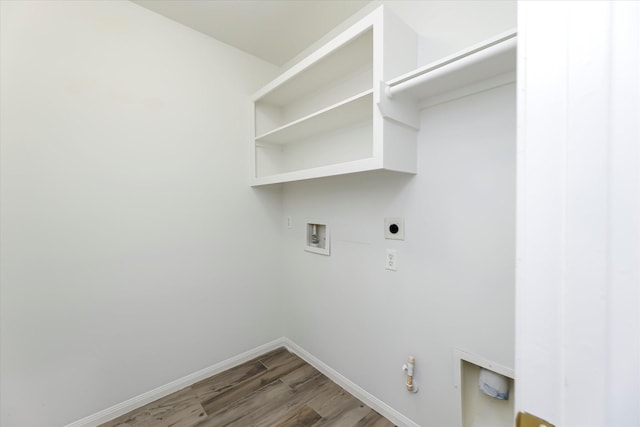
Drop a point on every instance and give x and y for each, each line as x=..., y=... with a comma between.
x=123, y=190
x=578, y=274
x=121, y=183
x=134, y=251
x=454, y=288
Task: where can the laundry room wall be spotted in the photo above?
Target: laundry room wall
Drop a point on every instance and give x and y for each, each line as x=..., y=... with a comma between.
x=454, y=284
x=134, y=251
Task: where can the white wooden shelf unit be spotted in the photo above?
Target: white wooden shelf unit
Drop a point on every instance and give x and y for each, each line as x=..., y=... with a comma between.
x=320, y=117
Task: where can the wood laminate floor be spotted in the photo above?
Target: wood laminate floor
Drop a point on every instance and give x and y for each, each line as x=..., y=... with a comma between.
x=276, y=389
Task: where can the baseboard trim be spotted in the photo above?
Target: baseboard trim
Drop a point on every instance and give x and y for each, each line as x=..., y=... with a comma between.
x=385, y=410
x=162, y=391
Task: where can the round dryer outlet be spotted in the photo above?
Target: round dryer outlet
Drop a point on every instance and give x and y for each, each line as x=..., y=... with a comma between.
x=394, y=228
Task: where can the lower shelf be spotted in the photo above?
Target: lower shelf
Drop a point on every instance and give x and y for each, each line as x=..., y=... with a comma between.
x=356, y=148
x=345, y=150
x=317, y=172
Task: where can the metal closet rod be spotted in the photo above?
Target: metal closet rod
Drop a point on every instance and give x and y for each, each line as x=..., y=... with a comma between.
x=452, y=64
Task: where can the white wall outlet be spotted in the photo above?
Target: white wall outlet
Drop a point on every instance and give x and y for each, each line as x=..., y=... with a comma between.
x=394, y=228
x=391, y=262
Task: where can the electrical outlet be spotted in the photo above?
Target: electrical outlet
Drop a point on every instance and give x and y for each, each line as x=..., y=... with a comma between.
x=392, y=260
x=394, y=228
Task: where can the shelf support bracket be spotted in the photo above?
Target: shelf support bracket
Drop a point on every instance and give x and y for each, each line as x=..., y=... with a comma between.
x=402, y=109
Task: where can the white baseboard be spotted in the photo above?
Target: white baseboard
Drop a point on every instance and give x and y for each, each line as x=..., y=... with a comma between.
x=162, y=391
x=371, y=401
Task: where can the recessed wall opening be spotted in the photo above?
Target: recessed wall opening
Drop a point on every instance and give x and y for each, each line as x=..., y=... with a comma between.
x=486, y=391
x=317, y=237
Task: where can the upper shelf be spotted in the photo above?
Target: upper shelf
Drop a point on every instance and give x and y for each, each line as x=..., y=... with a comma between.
x=330, y=63
x=480, y=62
x=354, y=109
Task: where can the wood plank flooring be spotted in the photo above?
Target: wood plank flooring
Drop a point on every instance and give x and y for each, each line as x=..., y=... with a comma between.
x=276, y=389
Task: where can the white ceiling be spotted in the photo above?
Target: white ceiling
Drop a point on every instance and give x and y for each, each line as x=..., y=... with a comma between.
x=274, y=30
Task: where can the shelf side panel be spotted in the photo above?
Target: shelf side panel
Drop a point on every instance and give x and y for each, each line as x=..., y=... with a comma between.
x=400, y=46
x=400, y=147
